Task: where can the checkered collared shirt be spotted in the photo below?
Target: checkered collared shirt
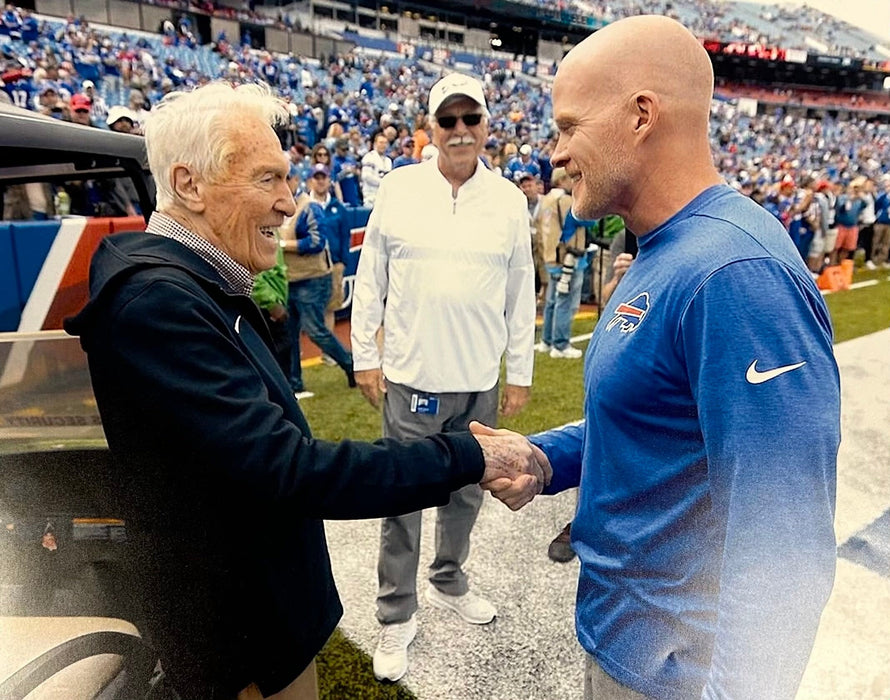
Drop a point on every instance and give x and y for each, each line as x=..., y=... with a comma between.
x=236, y=275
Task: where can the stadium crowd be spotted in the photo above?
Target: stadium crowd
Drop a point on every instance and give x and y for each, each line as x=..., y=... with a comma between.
x=354, y=119
x=342, y=101
x=797, y=27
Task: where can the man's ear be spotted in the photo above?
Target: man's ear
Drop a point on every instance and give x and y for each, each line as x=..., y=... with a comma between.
x=187, y=187
x=646, y=107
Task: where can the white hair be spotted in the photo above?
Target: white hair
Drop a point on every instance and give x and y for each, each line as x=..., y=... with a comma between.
x=195, y=128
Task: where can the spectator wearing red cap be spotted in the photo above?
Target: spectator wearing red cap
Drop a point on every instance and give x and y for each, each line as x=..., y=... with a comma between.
x=81, y=107
x=825, y=233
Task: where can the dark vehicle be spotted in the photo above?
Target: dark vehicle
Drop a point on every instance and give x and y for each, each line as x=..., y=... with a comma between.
x=63, y=545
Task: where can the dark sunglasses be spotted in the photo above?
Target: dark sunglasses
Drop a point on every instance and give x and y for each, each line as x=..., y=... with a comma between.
x=450, y=121
x=322, y=153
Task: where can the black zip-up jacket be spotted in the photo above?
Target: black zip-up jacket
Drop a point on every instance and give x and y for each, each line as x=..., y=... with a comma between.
x=224, y=486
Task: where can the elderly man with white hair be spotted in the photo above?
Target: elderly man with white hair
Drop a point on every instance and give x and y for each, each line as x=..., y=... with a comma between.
x=447, y=249
x=223, y=486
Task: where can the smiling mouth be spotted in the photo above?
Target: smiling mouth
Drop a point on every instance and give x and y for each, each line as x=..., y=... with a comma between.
x=268, y=231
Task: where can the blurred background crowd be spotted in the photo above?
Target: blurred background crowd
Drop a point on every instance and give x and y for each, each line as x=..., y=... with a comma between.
x=788, y=145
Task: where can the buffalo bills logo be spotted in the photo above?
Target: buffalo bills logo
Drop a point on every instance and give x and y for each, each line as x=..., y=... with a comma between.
x=629, y=314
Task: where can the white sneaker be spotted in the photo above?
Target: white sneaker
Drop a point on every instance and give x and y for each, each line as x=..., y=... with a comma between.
x=391, y=654
x=543, y=347
x=471, y=607
x=568, y=353
x=300, y=395
x=869, y=265
x=328, y=360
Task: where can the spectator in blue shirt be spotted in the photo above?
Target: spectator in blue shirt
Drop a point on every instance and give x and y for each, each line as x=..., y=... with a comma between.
x=407, y=155
x=522, y=163
x=345, y=172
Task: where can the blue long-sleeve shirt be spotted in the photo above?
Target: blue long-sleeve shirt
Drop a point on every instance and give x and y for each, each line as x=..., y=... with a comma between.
x=320, y=226
x=706, y=461
x=847, y=210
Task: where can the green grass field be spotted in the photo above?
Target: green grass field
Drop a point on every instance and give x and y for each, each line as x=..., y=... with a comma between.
x=336, y=413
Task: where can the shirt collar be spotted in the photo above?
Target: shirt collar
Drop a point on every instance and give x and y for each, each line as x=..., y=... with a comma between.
x=235, y=274
x=475, y=180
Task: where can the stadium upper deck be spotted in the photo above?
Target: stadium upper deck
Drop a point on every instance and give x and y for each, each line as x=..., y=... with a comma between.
x=45, y=68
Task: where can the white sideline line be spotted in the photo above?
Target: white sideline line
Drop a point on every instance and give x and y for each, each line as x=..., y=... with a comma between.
x=855, y=285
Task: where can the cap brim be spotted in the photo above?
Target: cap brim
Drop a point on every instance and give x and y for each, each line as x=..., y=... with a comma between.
x=456, y=96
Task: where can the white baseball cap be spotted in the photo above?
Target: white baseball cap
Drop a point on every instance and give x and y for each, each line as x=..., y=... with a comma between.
x=525, y=149
x=455, y=85
x=119, y=112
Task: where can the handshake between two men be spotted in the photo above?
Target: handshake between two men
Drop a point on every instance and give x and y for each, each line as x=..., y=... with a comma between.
x=515, y=470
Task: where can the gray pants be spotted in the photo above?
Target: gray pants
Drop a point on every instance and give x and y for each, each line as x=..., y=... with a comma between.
x=400, y=536
x=599, y=685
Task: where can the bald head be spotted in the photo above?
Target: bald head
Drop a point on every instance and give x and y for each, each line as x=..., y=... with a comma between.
x=647, y=52
x=632, y=103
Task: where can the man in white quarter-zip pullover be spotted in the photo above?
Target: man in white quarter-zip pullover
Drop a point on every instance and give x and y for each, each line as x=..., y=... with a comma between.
x=446, y=268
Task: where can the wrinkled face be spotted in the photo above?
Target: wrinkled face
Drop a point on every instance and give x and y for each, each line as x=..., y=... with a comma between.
x=461, y=145
x=251, y=198
x=591, y=145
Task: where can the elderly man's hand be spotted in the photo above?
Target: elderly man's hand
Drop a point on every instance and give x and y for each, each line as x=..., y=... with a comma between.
x=515, y=470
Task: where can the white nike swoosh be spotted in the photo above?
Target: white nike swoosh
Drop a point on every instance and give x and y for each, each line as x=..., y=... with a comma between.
x=755, y=377
x=238, y=324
